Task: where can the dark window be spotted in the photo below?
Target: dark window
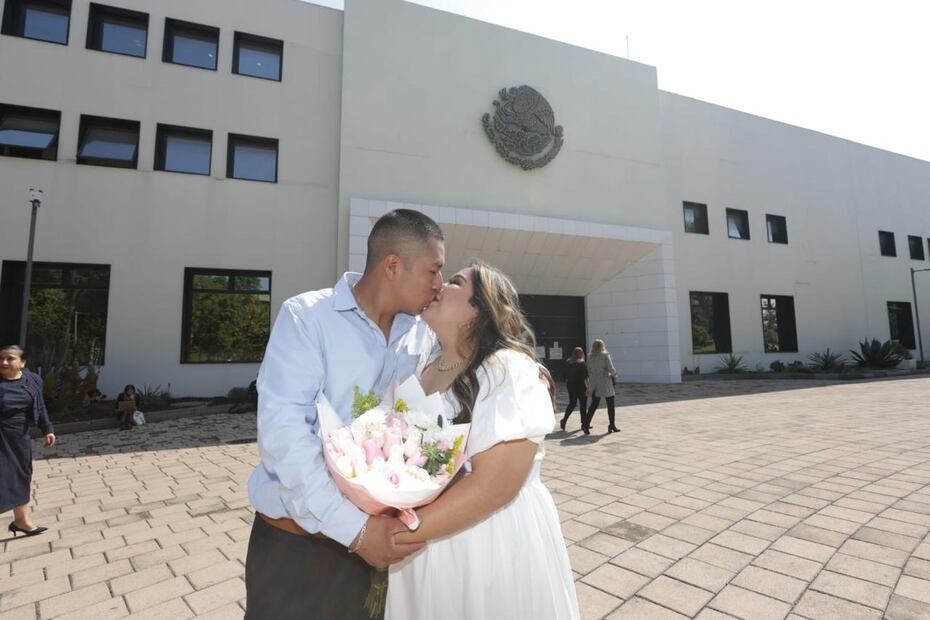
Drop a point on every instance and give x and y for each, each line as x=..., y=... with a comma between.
x=251, y=158
x=886, y=243
x=916, y=245
x=183, y=149
x=696, y=218
x=67, y=311
x=779, y=330
x=29, y=132
x=777, y=227
x=120, y=31
x=45, y=20
x=227, y=315
x=737, y=224
x=108, y=142
x=901, y=324
x=190, y=44
x=257, y=56
x=710, y=323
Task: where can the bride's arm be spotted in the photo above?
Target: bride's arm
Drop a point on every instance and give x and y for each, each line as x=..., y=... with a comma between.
x=496, y=478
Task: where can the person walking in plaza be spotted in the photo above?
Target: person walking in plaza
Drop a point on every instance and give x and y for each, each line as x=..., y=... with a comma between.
x=603, y=375
x=21, y=404
x=579, y=384
x=311, y=550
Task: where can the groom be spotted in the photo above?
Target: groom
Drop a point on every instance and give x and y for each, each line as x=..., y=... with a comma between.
x=310, y=548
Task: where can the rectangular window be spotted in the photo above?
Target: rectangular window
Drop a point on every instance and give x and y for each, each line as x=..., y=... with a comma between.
x=44, y=20
x=29, y=132
x=227, y=315
x=251, y=158
x=710, y=323
x=695, y=218
x=737, y=224
x=190, y=44
x=121, y=31
x=257, y=56
x=108, y=142
x=901, y=324
x=779, y=330
x=886, y=243
x=183, y=149
x=777, y=227
x=916, y=245
x=67, y=311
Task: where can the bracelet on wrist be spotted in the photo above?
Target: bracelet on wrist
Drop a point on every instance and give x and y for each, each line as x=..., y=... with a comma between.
x=358, y=539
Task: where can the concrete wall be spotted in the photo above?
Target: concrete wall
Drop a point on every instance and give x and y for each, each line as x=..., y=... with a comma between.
x=150, y=225
x=416, y=82
x=835, y=194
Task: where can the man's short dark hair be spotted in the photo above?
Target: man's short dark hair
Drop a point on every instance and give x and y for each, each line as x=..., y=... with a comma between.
x=402, y=232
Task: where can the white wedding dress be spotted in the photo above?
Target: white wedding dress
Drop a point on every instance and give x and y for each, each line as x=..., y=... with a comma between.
x=513, y=564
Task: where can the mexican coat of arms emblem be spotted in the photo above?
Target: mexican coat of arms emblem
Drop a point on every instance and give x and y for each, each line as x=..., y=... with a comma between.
x=523, y=128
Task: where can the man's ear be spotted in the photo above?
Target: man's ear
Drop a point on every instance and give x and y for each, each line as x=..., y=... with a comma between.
x=392, y=266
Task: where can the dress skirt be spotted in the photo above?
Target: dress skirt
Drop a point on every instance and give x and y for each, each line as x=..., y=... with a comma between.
x=15, y=460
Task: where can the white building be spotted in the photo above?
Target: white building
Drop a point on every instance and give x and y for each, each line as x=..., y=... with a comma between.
x=202, y=161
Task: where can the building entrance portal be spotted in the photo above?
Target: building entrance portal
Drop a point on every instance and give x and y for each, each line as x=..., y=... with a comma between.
x=559, y=325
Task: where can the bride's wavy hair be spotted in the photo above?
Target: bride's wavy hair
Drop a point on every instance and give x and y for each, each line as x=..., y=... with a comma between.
x=499, y=324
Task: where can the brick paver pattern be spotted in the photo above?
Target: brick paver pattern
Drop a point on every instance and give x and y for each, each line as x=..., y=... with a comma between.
x=750, y=500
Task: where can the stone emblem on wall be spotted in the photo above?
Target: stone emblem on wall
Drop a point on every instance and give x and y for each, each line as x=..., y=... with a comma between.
x=523, y=128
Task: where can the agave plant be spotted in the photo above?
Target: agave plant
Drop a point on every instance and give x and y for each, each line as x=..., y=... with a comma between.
x=826, y=361
x=731, y=364
x=876, y=354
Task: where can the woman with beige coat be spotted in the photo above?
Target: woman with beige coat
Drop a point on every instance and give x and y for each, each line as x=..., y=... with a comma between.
x=603, y=375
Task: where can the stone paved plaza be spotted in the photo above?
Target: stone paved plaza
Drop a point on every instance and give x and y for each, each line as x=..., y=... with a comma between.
x=750, y=500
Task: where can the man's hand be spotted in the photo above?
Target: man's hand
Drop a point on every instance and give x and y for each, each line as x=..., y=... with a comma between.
x=379, y=547
x=49, y=440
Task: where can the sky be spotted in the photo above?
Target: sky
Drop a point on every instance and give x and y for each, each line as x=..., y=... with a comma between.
x=855, y=69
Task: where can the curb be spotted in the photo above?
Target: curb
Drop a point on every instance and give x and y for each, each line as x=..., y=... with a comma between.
x=66, y=428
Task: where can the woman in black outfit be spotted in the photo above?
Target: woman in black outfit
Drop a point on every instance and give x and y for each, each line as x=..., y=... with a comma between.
x=21, y=404
x=128, y=395
x=576, y=379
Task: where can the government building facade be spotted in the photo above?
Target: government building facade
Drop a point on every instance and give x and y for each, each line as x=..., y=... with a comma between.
x=201, y=162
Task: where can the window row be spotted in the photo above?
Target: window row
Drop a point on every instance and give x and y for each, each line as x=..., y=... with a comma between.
x=226, y=313
x=915, y=245
x=122, y=31
x=710, y=323
x=696, y=222
x=33, y=133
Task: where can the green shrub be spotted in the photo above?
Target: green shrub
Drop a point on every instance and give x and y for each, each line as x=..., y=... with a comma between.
x=875, y=354
x=798, y=366
x=826, y=361
x=729, y=364
x=155, y=398
x=777, y=366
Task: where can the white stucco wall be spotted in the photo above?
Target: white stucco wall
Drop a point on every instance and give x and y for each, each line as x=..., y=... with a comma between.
x=150, y=225
x=836, y=196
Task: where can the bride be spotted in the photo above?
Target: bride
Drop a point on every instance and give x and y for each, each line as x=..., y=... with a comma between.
x=495, y=544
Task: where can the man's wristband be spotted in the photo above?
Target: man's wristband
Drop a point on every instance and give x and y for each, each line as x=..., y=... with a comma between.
x=358, y=539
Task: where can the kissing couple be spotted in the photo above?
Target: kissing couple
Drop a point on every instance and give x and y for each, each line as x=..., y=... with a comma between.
x=491, y=545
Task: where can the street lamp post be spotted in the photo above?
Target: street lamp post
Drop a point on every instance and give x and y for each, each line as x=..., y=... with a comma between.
x=920, y=342
x=36, y=202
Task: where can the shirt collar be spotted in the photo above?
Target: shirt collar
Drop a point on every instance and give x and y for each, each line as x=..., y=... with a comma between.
x=343, y=298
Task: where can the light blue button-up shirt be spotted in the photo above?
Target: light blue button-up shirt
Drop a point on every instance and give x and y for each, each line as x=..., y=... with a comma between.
x=322, y=341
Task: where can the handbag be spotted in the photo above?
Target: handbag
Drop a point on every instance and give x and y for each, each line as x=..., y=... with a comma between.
x=138, y=418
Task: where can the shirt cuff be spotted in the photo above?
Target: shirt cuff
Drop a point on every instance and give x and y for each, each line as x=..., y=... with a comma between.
x=344, y=524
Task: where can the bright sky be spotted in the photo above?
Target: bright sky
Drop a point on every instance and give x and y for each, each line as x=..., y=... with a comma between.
x=856, y=69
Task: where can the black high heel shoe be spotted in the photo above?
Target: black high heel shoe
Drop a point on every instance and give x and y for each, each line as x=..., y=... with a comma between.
x=15, y=529
x=562, y=423
x=613, y=429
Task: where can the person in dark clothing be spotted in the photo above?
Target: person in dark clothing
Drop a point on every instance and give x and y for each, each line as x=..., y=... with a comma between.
x=21, y=404
x=578, y=383
x=133, y=401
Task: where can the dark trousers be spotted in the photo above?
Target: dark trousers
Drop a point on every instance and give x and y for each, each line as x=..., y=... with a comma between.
x=291, y=577
x=595, y=401
x=576, y=396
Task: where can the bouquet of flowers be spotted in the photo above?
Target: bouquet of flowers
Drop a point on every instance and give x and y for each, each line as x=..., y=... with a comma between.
x=399, y=456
